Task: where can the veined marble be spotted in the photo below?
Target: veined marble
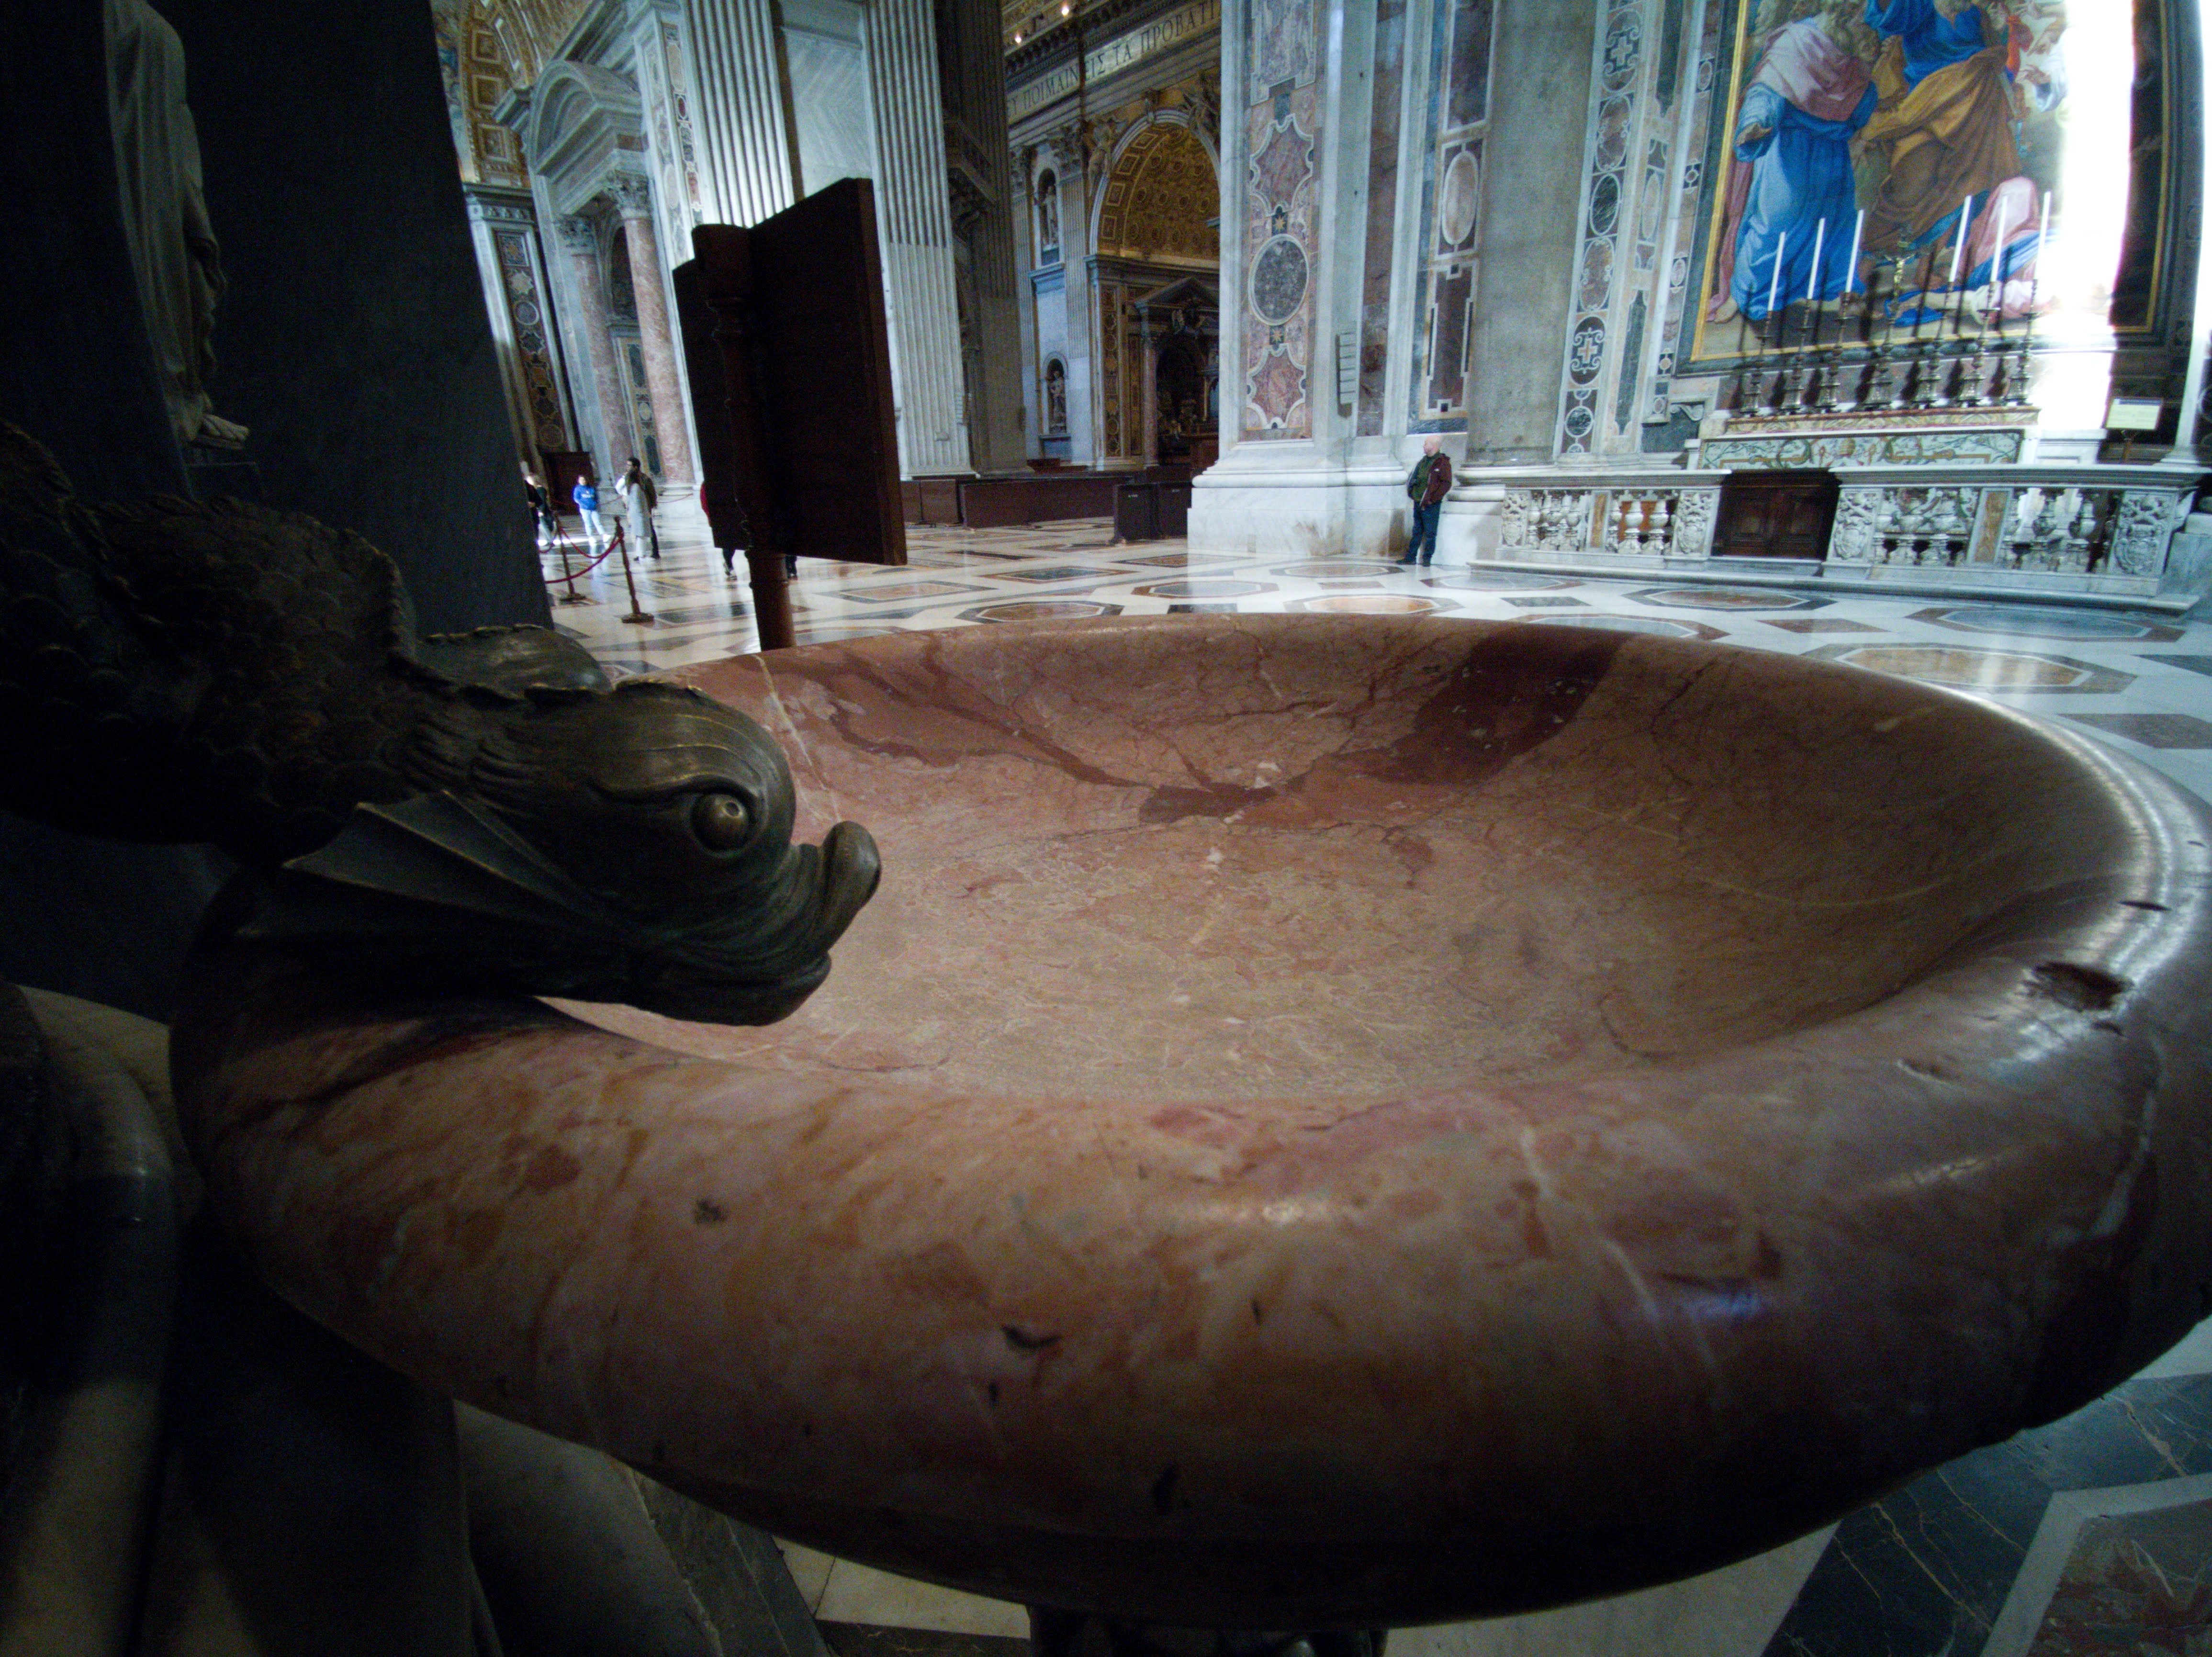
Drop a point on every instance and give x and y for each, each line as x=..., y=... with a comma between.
x=1331, y=1120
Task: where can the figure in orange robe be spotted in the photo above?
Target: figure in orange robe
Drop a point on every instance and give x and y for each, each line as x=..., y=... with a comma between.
x=1945, y=123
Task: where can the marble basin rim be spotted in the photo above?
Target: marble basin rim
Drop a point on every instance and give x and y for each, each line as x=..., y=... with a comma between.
x=1330, y=1121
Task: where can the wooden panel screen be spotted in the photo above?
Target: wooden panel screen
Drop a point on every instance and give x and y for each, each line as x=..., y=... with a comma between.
x=796, y=303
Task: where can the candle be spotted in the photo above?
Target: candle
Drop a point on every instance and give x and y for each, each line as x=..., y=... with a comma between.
x=1820, y=241
x=1958, y=242
x=1774, y=288
x=1851, y=272
x=1997, y=256
x=2042, y=234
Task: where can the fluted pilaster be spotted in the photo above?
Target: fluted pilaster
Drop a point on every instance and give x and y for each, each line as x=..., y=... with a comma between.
x=739, y=125
x=994, y=432
x=914, y=217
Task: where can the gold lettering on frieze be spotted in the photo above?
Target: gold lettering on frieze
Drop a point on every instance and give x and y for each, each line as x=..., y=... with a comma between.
x=1127, y=51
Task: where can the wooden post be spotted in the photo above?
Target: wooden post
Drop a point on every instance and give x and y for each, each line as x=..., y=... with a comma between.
x=771, y=598
x=725, y=254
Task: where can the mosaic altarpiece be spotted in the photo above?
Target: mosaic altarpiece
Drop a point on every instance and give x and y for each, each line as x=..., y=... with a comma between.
x=1820, y=182
x=1741, y=150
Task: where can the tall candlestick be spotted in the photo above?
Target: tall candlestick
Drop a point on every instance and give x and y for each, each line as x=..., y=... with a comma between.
x=1774, y=288
x=1820, y=241
x=1997, y=267
x=1851, y=272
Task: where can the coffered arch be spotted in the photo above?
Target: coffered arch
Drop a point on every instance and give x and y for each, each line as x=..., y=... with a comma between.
x=1161, y=200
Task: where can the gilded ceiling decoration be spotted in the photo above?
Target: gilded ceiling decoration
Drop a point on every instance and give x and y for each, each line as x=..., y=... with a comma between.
x=1161, y=198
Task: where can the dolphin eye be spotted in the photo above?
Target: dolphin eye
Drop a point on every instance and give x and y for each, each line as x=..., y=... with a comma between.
x=720, y=821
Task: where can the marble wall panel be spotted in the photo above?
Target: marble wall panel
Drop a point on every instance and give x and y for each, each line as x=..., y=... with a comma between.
x=522, y=283
x=1382, y=212
x=1700, y=73
x=1462, y=50
x=1281, y=213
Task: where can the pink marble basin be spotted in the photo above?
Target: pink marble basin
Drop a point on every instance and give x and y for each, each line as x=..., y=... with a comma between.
x=1329, y=1120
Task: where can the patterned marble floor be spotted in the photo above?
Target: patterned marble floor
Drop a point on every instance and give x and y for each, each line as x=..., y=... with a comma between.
x=2092, y=1535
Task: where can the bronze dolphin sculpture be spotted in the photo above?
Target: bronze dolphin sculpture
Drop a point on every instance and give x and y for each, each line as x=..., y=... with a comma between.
x=479, y=812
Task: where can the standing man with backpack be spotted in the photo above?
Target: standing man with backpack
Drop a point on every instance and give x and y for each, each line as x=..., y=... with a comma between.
x=1426, y=487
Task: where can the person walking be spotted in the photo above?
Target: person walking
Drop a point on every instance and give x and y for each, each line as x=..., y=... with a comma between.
x=585, y=495
x=1425, y=487
x=541, y=508
x=640, y=497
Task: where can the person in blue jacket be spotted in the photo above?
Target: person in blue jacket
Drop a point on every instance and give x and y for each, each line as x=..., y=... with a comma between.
x=585, y=495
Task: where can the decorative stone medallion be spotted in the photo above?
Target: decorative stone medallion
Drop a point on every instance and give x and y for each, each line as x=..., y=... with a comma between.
x=1278, y=280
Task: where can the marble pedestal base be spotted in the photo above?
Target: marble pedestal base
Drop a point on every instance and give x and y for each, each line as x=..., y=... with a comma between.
x=1320, y=514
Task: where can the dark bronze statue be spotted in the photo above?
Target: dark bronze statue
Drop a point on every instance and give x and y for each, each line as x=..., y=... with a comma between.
x=475, y=812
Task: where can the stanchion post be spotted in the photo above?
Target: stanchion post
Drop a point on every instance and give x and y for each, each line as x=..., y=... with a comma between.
x=568, y=570
x=639, y=614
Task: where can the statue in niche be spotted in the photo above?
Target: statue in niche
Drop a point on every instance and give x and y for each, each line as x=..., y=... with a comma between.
x=173, y=252
x=1048, y=213
x=1056, y=399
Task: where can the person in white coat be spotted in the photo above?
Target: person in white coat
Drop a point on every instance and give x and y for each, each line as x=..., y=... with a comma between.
x=641, y=498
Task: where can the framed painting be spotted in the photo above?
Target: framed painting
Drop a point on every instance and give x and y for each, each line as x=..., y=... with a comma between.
x=1886, y=165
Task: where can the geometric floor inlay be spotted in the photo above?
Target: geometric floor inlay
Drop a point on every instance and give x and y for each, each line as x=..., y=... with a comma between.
x=1201, y=587
x=1061, y=573
x=2167, y=730
x=1727, y=598
x=2022, y=621
x=1818, y=624
x=1039, y=610
x=2188, y=664
x=1967, y=667
x=1662, y=626
x=1928, y=1570
x=1500, y=581
x=1381, y=604
x=1335, y=569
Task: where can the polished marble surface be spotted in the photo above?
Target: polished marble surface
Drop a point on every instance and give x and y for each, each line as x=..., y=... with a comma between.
x=2116, y=669
x=1905, y=1593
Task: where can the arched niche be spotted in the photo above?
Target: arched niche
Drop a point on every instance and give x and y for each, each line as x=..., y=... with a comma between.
x=1162, y=200
x=1047, y=195
x=1055, y=396
x=583, y=120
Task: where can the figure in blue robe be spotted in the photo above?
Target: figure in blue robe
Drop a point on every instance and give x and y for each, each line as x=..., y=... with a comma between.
x=1793, y=134
x=1931, y=41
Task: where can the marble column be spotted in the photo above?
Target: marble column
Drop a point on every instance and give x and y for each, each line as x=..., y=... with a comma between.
x=975, y=129
x=743, y=123
x=914, y=217
x=580, y=238
x=634, y=196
